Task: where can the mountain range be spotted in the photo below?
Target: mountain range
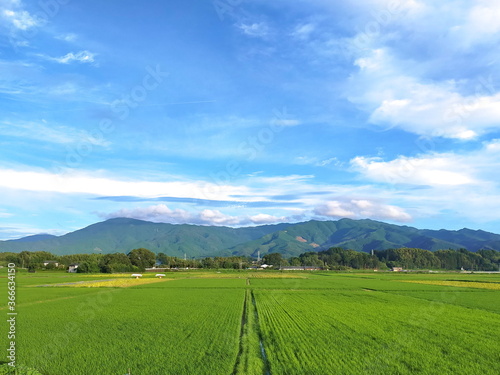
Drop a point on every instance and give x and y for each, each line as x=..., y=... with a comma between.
x=123, y=235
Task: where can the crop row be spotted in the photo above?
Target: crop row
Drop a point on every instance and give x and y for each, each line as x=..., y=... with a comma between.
x=475, y=299
x=175, y=331
x=459, y=283
x=318, y=332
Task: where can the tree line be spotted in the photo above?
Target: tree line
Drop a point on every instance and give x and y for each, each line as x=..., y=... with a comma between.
x=335, y=258
x=482, y=260
x=134, y=261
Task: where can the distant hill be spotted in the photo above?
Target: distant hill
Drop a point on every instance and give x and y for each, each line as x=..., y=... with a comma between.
x=123, y=235
x=36, y=237
x=360, y=235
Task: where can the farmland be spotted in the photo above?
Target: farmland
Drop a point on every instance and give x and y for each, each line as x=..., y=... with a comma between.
x=258, y=322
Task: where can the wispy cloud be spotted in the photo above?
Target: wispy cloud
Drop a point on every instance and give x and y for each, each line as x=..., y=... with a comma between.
x=5, y=214
x=317, y=162
x=260, y=29
x=84, y=57
x=42, y=131
x=70, y=37
x=303, y=31
x=16, y=230
x=86, y=183
x=22, y=19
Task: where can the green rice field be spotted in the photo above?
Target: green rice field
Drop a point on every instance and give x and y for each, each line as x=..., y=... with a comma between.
x=256, y=322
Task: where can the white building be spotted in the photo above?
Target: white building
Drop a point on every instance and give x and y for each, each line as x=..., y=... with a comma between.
x=72, y=267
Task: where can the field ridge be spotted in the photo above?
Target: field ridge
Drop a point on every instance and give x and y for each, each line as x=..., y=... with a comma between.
x=261, y=338
x=239, y=357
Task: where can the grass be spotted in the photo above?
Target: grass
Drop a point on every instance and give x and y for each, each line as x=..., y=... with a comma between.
x=475, y=299
x=258, y=322
x=459, y=283
x=374, y=333
x=249, y=361
x=177, y=331
x=114, y=283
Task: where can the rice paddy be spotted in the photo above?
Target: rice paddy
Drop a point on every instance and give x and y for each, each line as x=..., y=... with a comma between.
x=112, y=283
x=258, y=322
x=458, y=283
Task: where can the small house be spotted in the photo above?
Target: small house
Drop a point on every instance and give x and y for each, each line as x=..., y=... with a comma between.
x=397, y=269
x=47, y=262
x=72, y=268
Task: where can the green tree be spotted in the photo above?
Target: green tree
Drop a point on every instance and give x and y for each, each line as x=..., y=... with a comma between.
x=50, y=266
x=25, y=259
x=164, y=259
x=116, y=262
x=208, y=263
x=273, y=259
x=142, y=258
x=88, y=267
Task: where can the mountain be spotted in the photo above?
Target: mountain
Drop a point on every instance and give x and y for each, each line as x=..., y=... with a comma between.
x=123, y=235
x=361, y=235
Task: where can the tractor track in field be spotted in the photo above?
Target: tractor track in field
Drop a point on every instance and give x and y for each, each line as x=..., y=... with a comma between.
x=263, y=354
x=249, y=324
x=242, y=333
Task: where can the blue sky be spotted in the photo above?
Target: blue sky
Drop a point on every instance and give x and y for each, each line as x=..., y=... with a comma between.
x=240, y=113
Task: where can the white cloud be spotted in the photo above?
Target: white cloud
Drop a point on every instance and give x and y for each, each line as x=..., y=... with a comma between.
x=427, y=68
x=266, y=219
x=396, y=99
x=335, y=209
x=331, y=161
x=317, y=162
x=445, y=176
x=429, y=170
x=303, y=31
x=53, y=134
x=21, y=20
x=463, y=184
x=480, y=24
x=283, y=180
x=81, y=57
x=162, y=213
x=362, y=208
x=157, y=213
x=215, y=217
x=254, y=29
x=86, y=183
x=67, y=37
x=492, y=146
